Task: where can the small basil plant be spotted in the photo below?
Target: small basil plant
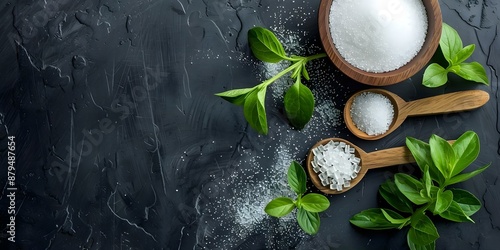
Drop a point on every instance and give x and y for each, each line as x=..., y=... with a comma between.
x=299, y=100
x=308, y=206
x=455, y=54
x=413, y=199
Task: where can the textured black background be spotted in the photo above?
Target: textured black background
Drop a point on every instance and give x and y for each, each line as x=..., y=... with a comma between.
x=121, y=143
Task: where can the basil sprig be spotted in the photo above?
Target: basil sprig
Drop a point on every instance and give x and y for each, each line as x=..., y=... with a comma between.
x=451, y=45
x=299, y=100
x=441, y=164
x=309, y=206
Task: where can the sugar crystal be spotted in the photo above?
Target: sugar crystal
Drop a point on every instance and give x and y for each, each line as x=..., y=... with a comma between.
x=378, y=35
x=372, y=113
x=338, y=164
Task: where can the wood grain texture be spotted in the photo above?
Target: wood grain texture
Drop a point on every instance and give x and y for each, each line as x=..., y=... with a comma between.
x=381, y=79
x=440, y=104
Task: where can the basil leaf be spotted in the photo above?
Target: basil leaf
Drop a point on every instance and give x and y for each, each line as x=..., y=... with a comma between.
x=297, y=178
x=422, y=231
x=466, y=149
x=255, y=111
x=390, y=192
x=279, y=207
x=308, y=221
x=421, y=151
x=315, y=202
x=466, y=176
x=396, y=221
x=473, y=71
x=374, y=219
x=265, y=46
x=235, y=96
x=455, y=213
x=305, y=74
x=299, y=104
x=464, y=53
x=413, y=246
x=410, y=187
x=442, y=155
x=427, y=181
x=466, y=200
x=434, y=76
x=450, y=43
x=443, y=201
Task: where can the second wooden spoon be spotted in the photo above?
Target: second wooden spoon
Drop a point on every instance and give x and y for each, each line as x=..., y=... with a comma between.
x=446, y=103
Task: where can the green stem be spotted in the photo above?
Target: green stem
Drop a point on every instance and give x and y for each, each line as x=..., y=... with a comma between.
x=280, y=74
x=298, y=201
x=317, y=56
x=297, y=63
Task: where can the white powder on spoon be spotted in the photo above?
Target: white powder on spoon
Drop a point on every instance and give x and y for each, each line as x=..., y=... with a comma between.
x=372, y=113
x=378, y=35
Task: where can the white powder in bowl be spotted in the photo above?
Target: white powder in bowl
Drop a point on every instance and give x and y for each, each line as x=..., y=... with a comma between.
x=372, y=113
x=378, y=35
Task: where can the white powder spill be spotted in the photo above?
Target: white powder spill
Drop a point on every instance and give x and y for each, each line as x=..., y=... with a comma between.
x=335, y=164
x=378, y=35
x=372, y=113
x=236, y=211
x=232, y=212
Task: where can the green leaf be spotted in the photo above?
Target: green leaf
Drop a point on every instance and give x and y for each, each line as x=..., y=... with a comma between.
x=265, y=46
x=442, y=155
x=315, y=202
x=421, y=151
x=374, y=219
x=279, y=207
x=464, y=53
x=299, y=104
x=466, y=200
x=390, y=192
x=427, y=181
x=297, y=178
x=443, y=201
x=450, y=43
x=255, y=111
x=305, y=74
x=422, y=231
x=434, y=76
x=466, y=149
x=308, y=221
x=410, y=187
x=455, y=213
x=235, y=96
x=396, y=221
x=473, y=71
x=414, y=246
x=466, y=176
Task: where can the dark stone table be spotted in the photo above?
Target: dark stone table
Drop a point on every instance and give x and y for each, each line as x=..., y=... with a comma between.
x=121, y=143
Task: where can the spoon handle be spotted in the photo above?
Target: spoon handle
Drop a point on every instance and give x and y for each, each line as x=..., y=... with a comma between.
x=446, y=103
x=387, y=157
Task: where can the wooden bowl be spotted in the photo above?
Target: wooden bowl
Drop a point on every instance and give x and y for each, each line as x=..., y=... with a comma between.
x=428, y=49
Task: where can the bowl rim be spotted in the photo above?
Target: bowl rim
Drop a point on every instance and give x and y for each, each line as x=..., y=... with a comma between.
x=422, y=58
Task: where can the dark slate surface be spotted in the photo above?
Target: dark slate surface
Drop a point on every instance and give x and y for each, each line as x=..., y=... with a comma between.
x=121, y=143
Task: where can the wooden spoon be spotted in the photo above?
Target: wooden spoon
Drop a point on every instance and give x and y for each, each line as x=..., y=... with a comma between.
x=376, y=159
x=446, y=103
